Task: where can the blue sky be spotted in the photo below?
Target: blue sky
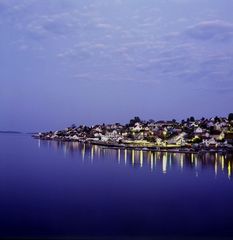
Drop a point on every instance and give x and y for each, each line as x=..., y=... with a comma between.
x=94, y=61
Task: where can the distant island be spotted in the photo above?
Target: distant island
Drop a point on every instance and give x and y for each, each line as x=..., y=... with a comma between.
x=13, y=132
x=190, y=135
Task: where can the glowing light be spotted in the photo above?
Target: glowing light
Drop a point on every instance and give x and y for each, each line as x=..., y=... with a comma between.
x=95, y=150
x=141, y=158
x=151, y=161
x=192, y=158
x=196, y=163
x=83, y=151
x=229, y=170
x=133, y=157
x=92, y=153
x=216, y=167
x=222, y=161
x=182, y=162
x=155, y=159
x=38, y=143
x=119, y=155
x=125, y=156
x=164, y=166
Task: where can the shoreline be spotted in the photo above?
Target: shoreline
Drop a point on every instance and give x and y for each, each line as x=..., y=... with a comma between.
x=169, y=149
x=191, y=136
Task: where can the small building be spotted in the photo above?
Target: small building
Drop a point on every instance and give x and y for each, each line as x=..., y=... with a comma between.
x=159, y=141
x=137, y=127
x=209, y=142
x=198, y=130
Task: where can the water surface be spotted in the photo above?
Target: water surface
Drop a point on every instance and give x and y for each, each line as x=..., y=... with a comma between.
x=52, y=189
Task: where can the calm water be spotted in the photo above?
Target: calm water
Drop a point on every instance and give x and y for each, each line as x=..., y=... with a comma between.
x=52, y=189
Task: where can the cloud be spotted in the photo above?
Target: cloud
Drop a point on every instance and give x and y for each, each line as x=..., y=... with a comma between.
x=103, y=26
x=211, y=30
x=75, y=54
x=59, y=24
x=144, y=43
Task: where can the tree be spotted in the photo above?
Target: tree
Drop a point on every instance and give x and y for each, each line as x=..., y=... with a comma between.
x=192, y=119
x=230, y=117
x=150, y=139
x=151, y=121
x=137, y=119
x=130, y=136
x=197, y=140
x=211, y=129
x=174, y=120
x=216, y=119
x=134, y=120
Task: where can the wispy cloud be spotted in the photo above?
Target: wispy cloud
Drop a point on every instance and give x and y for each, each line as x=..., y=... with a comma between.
x=217, y=30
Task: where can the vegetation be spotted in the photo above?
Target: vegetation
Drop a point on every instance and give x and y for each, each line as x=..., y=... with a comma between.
x=230, y=117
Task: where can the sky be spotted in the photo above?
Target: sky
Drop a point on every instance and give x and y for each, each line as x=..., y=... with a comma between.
x=104, y=61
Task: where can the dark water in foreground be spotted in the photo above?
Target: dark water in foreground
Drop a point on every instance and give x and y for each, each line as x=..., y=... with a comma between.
x=52, y=189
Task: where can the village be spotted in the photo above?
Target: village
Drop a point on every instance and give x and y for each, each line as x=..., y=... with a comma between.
x=190, y=135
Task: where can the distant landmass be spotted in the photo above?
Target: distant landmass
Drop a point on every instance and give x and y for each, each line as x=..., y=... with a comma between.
x=13, y=132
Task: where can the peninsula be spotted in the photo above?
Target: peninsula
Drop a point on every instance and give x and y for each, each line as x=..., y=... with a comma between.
x=190, y=135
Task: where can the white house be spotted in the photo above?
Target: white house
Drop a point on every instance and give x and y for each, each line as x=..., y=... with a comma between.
x=217, y=126
x=159, y=141
x=137, y=127
x=198, y=130
x=104, y=138
x=181, y=141
x=112, y=135
x=209, y=142
x=75, y=137
x=97, y=134
x=98, y=129
x=210, y=124
x=221, y=136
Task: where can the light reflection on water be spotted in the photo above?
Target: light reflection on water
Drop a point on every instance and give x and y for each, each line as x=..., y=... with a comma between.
x=63, y=189
x=163, y=162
